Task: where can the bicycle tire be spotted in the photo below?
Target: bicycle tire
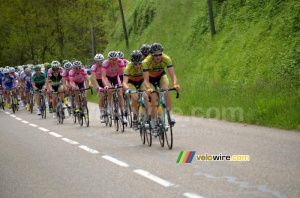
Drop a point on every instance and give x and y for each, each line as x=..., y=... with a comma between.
x=43, y=107
x=161, y=138
x=31, y=102
x=86, y=115
x=129, y=112
x=141, y=127
x=121, y=121
x=168, y=131
x=116, y=116
x=80, y=118
x=13, y=107
x=145, y=123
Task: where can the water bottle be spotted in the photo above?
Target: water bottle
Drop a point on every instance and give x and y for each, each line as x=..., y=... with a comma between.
x=159, y=111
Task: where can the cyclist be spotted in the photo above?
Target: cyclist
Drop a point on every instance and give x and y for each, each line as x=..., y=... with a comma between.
x=54, y=83
x=22, y=87
x=38, y=81
x=26, y=83
x=8, y=83
x=133, y=80
x=110, y=76
x=155, y=76
x=145, y=49
x=78, y=75
x=97, y=77
x=66, y=81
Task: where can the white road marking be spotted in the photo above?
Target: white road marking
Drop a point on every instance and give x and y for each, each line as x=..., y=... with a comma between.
x=55, y=134
x=7, y=112
x=153, y=178
x=69, y=141
x=34, y=125
x=13, y=116
x=43, y=129
x=88, y=149
x=18, y=118
x=191, y=195
x=114, y=160
x=25, y=122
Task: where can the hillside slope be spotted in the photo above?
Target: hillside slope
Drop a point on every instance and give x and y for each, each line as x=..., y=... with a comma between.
x=249, y=72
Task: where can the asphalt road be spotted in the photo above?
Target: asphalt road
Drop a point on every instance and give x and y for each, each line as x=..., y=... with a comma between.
x=41, y=158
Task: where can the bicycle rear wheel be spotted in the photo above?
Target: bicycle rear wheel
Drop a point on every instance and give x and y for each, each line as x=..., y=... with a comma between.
x=128, y=112
x=168, y=131
x=161, y=136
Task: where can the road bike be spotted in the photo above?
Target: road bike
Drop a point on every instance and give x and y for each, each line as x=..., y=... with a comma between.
x=83, y=111
x=117, y=111
x=143, y=118
x=1, y=99
x=107, y=116
x=164, y=122
x=42, y=103
x=60, y=111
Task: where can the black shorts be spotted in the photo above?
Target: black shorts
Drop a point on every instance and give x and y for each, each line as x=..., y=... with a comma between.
x=156, y=81
x=100, y=83
x=80, y=85
x=39, y=86
x=113, y=80
x=137, y=84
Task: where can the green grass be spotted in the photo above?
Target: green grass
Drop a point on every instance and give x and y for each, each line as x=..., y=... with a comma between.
x=249, y=72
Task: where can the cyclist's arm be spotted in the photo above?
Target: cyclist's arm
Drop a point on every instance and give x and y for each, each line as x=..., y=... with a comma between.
x=125, y=82
x=48, y=84
x=94, y=78
x=146, y=79
x=172, y=75
x=88, y=80
x=104, y=78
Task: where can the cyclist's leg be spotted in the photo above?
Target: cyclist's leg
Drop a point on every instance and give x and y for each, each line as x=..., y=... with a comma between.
x=164, y=83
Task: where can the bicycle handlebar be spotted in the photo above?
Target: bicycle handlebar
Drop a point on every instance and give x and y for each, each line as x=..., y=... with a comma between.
x=165, y=90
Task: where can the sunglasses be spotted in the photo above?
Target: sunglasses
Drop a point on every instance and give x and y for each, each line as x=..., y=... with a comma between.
x=77, y=68
x=113, y=59
x=156, y=55
x=137, y=63
x=37, y=70
x=99, y=62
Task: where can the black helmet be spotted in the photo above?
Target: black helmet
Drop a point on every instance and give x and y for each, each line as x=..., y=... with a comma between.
x=156, y=47
x=145, y=49
x=136, y=57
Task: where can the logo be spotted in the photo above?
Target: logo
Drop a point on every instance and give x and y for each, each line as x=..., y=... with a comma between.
x=185, y=156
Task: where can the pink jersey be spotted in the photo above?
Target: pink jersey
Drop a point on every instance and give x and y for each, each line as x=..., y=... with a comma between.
x=113, y=69
x=60, y=70
x=121, y=70
x=65, y=75
x=78, y=77
x=97, y=70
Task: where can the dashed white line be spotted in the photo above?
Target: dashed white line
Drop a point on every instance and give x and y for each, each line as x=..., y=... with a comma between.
x=25, y=122
x=18, y=118
x=191, y=195
x=13, y=116
x=88, y=149
x=69, y=141
x=7, y=112
x=153, y=178
x=43, y=129
x=55, y=134
x=34, y=125
x=114, y=160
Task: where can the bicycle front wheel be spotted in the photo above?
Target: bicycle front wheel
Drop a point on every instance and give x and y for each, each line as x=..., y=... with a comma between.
x=31, y=102
x=169, y=131
x=116, y=116
x=43, y=107
x=86, y=115
x=146, y=125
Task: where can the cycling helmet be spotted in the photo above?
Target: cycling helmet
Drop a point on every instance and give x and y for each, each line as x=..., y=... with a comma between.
x=77, y=64
x=156, y=47
x=145, y=49
x=120, y=54
x=11, y=70
x=5, y=71
x=27, y=70
x=99, y=57
x=136, y=57
x=65, y=61
x=45, y=64
x=112, y=54
x=1, y=69
x=68, y=65
x=55, y=65
x=48, y=66
x=37, y=67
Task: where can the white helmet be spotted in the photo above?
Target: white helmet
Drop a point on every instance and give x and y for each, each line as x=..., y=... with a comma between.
x=11, y=70
x=99, y=57
x=55, y=64
x=5, y=71
x=77, y=64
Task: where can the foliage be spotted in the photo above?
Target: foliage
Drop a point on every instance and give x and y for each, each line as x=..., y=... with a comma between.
x=40, y=31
